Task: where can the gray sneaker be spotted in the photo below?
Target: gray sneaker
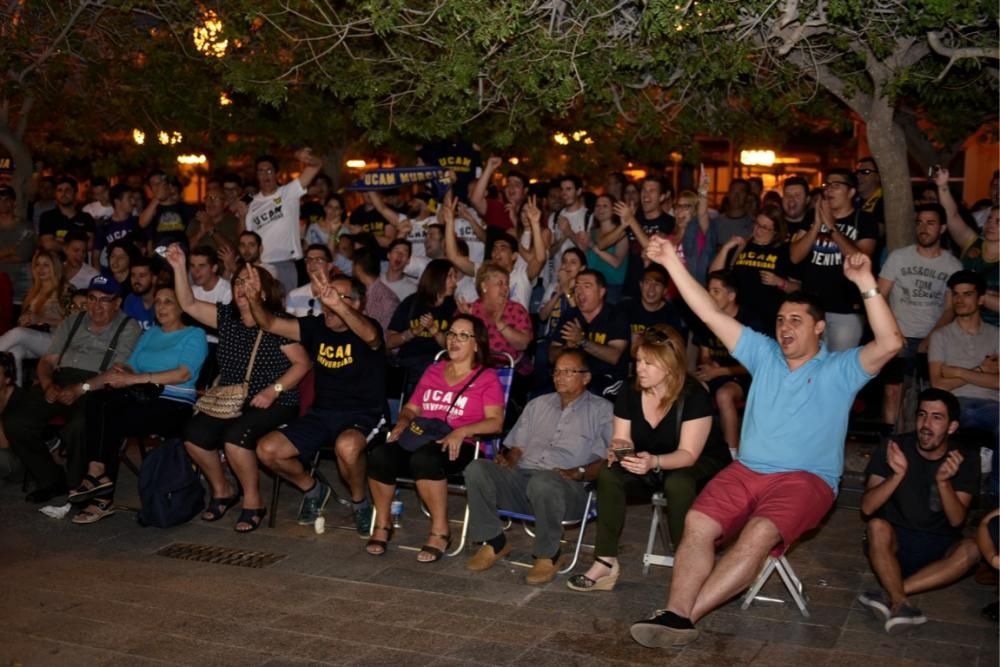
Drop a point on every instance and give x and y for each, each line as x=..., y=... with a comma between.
x=313, y=504
x=363, y=520
x=878, y=604
x=904, y=618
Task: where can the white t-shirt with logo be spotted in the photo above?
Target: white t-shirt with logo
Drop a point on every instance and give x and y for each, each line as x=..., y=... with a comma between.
x=919, y=289
x=577, y=223
x=221, y=293
x=276, y=218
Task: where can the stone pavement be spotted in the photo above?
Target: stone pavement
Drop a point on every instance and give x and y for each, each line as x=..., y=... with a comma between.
x=100, y=595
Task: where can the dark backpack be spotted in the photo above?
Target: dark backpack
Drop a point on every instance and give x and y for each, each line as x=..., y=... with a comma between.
x=169, y=487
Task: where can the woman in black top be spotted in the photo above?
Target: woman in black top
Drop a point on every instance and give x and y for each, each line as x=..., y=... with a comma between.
x=674, y=453
x=761, y=267
x=272, y=398
x=417, y=329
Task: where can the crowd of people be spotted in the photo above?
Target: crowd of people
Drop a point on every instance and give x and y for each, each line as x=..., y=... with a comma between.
x=655, y=343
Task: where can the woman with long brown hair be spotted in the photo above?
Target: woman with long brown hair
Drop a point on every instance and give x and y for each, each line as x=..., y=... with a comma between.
x=42, y=311
x=664, y=439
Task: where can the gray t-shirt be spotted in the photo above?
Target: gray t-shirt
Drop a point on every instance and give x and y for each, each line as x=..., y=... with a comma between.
x=86, y=349
x=21, y=239
x=953, y=347
x=726, y=227
x=919, y=287
x=552, y=437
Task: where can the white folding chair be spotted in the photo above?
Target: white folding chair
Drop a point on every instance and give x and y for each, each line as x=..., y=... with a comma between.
x=589, y=514
x=657, y=525
x=776, y=561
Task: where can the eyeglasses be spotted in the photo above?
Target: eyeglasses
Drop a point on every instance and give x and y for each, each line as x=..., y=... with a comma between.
x=865, y=172
x=763, y=227
x=103, y=300
x=265, y=171
x=461, y=336
x=213, y=198
x=317, y=260
x=567, y=372
x=833, y=184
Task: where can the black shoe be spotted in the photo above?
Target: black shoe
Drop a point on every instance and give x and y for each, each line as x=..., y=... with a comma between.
x=664, y=629
x=47, y=493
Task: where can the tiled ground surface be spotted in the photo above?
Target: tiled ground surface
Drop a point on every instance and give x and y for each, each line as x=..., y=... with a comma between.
x=98, y=595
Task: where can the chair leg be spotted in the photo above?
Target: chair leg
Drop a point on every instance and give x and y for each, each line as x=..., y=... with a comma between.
x=123, y=457
x=656, y=526
x=462, y=534
x=765, y=573
x=579, y=538
x=793, y=585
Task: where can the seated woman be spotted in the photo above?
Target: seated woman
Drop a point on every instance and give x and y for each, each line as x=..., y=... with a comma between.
x=41, y=312
x=152, y=393
x=465, y=394
x=417, y=329
x=673, y=453
x=272, y=400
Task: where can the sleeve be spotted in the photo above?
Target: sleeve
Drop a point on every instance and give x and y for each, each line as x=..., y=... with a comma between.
x=601, y=429
x=851, y=372
x=126, y=342
x=750, y=349
x=518, y=436
x=935, y=349
x=492, y=392
x=877, y=464
x=697, y=403
x=401, y=316
x=519, y=315
x=294, y=189
x=193, y=352
x=307, y=333
x=890, y=269
x=623, y=404
x=140, y=345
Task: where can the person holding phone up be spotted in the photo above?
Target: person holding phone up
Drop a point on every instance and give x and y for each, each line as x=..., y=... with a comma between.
x=664, y=438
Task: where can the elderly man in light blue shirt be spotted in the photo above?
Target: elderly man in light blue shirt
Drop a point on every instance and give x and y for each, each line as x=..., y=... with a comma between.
x=559, y=442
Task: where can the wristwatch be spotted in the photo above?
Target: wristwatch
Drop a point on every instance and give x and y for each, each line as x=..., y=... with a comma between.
x=582, y=471
x=85, y=387
x=278, y=387
x=869, y=294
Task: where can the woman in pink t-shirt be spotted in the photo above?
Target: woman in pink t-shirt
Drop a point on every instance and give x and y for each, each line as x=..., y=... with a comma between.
x=466, y=395
x=508, y=322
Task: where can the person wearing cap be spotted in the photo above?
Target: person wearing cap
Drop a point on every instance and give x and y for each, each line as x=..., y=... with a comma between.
x=83, y=349
x=54, y=225
x=17, y=244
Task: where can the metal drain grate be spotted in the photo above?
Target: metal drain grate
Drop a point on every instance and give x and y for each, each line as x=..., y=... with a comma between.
x=220, y=555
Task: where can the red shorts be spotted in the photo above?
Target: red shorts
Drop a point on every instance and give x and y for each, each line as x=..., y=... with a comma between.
x=793, y=501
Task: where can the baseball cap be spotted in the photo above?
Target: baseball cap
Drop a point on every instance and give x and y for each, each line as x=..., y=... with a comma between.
x=106, y=284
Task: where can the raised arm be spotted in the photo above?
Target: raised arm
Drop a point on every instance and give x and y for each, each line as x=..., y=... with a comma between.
x=204, y=312
x=362, y=327
x=727, y=328
x=478, y=196
x=311, y=166
x=265, y=319
x=387, y=212
x=960, y=232
x=446, y=214
x=538, y=254
x=888, y=340
x=703, y=186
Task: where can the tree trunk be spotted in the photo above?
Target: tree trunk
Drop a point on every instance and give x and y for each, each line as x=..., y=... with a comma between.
x=888, y=145
x=333, y=163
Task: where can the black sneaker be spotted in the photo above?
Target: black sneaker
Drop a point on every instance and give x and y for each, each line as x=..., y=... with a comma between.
x=877, y=603
x=904, y=618
x=664, y=629
x=313, y=504
x=363, y=521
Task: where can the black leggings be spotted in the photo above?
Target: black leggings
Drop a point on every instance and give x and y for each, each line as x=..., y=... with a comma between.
x=111, y=416
x=388, y=460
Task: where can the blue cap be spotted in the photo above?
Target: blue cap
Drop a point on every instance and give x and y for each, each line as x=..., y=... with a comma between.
x=106, y=284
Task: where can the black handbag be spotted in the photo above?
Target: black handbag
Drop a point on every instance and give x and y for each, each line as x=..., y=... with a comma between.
x=146, y=392
x=425, y=430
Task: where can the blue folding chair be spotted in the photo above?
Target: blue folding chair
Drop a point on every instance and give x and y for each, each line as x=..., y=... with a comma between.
x=589, y=514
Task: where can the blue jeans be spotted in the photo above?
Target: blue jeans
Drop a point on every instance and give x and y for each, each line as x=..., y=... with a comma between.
x=982, y=414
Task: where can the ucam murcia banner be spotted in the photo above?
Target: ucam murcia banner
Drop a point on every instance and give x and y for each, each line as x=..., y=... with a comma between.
x=397, y=177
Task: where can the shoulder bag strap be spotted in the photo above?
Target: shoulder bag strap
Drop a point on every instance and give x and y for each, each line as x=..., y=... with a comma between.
x=462, y=390
x=69, y=339
x=253, y=355
x=113, y=347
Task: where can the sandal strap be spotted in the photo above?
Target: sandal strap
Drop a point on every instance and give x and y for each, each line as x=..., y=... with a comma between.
x=582, y=581
x=603, y=562
x=446, y=537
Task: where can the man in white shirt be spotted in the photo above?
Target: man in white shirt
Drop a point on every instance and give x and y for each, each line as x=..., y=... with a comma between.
x=101, y=208
x=208, y=286
x=393, y=276
x=274, y=214
x=568, y=221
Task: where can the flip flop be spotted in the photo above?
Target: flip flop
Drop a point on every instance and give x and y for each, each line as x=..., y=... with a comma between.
x=217, y=507
x=253, y=518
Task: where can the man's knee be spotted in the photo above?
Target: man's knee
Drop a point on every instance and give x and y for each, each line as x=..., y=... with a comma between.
x=543, y=484
x=880, y=534
x=269, y=447
x=966, y=553
x=701, y=527
x=350, y=445
x=728, y=394
x=760, y=534
x=477, y=472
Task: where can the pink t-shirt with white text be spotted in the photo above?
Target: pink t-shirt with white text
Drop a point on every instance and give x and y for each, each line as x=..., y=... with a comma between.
x=434, y=396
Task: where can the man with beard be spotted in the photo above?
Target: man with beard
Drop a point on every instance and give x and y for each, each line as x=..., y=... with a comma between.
x=795, y=204
x=139, y=305
x=914, y=281
x=56, y=223
x=917, y=495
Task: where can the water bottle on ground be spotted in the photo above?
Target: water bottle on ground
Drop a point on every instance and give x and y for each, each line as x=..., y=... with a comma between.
x=396, y=510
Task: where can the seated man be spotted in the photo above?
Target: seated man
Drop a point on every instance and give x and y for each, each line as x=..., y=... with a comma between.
x=348, y=356
x=918, y=493
x=83, y=347
x=559, y=441
x=652, y=308
x=791, y=450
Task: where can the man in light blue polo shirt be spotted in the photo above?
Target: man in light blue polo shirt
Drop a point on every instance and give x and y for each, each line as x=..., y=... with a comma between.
x=791, y=448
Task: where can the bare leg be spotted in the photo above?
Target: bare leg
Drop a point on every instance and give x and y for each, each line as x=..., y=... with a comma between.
x=693, y=562
x=882, y=556
x=211, y=466
x=738, y=567
x=959, y=560
x=279, y=454
x=243, y=463
x=350, y=448
x=434, y=493
x=727, y=398
x=381, y=499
